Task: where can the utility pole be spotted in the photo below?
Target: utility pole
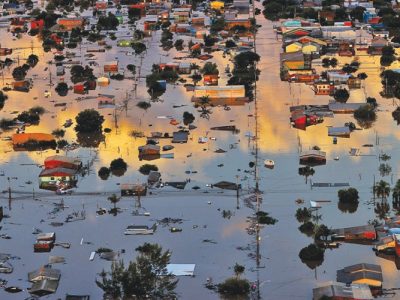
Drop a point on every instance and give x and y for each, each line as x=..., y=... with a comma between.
x=9, y=193
x=237, y=192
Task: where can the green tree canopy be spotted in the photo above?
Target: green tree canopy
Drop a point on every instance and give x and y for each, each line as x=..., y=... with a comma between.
x=88, y=121
x=145, y=278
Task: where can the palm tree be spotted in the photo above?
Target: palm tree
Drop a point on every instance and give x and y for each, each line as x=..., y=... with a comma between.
x=382, y=189
x=396, y=191
x=306, y=172
x=114, y=200
x=238, y=269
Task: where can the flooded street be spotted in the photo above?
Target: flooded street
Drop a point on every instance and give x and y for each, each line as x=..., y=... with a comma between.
x=209, y=240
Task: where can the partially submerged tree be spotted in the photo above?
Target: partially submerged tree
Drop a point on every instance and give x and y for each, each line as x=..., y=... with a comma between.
x=114, y=199
x=104, y=173
x=89, y=121
x=341, y=95
x=118, y=167
x=235, y=286
x=349, y=195
x=145, y=278
x=146, y=168
x=382, y=189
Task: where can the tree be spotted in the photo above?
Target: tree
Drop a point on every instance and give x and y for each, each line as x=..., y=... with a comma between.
x=365, y=112
x=109, y=22
x=188, y=118
x=235, y=286
x=143, y=105
x=131, y=68
x=114, y=200
x=62, y=89
x=357, y=13
x=217, y=25
x=246, y=59
x=32, y=60
x=144, y=278
x=210, y=69
x=341, y=95
x=382, y=189
x=58, y=133
x=326, y=62
x=362, y=76
x=3, y=98
x=178, y=44
x=230, y=44
x=138, y=47
x=209, y=40
x=89, y=121
x=306, y=172
x=19, y=73
x=311, y=252
x=118, y=167
x=303, y=214
x=349, y=195
x=147, y=168
x=239, y=270
x=104, y=173
x=388, y=51
x=387, y=60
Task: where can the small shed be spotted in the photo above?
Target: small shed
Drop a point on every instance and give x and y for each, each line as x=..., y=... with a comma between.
x=180, y=137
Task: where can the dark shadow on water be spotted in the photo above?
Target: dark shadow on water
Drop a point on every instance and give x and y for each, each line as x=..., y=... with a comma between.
x=347, y=207
x=90, y=140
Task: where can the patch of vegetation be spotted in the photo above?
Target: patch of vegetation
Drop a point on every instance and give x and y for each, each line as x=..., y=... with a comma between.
x=146, y=275
x=58, y=133
x=118, y=167
x=349, y=195
x=146, y=168
x=89, y=121
x=264, y=218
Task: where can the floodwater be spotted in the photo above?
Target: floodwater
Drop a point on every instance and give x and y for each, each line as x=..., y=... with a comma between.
x=282, y=275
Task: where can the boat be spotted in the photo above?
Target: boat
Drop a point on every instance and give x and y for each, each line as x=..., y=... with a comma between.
x=140, y=230
x=269, y=163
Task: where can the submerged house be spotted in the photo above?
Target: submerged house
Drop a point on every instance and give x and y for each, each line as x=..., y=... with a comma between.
x=59, y=161
x=313, y=158
x=363, y=273
x=366, y=232
x=149, y=152
x=44, y=281
x=131, y=189
x=219, y=92
x=53, y=179
x=341, y=291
